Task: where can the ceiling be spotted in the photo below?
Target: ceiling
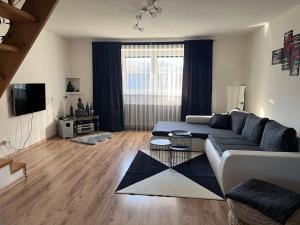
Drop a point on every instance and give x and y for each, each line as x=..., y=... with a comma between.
x=113, y=19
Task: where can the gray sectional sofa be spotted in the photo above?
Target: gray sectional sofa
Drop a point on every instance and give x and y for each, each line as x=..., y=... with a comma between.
x=251, y=147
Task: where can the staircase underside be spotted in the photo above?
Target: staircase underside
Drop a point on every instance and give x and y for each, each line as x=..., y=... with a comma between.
x=27, y=24
x=10, y=173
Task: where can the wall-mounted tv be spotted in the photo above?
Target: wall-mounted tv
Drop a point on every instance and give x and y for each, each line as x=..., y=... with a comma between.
x=28, y=98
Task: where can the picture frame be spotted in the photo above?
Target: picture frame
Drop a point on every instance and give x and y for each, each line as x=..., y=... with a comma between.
x=286, y=52
x=295, y=56
x=277, y=56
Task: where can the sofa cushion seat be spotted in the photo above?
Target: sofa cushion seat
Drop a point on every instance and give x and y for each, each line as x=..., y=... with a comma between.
x=163, y=128
x=241, y=143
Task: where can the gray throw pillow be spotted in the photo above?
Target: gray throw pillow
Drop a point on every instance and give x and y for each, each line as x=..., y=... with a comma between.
x=254, y=127
x=277, y=137
x=220, y=121
x=238, y=119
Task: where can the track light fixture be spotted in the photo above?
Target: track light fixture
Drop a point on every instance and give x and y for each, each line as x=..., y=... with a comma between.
x=151, y=9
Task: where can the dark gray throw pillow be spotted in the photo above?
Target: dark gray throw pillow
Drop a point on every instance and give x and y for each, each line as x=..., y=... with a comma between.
x=220, y=121
x=278, y=138
x=254, y=127
x=238, y=119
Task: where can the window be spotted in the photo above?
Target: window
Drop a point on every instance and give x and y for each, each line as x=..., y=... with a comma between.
x=137, y=72
x=152, y=84
x=169, y=75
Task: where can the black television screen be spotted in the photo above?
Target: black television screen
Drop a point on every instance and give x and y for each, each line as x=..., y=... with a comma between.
x=28, y=98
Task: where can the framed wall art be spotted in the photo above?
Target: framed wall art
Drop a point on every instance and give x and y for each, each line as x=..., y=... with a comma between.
x=295, y=56
x=277, y=56
x=286, y=52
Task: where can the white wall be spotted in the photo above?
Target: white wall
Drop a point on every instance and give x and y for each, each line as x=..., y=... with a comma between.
x=271, y=91
x=47, y=62
x=228, y=67
x=82, y=67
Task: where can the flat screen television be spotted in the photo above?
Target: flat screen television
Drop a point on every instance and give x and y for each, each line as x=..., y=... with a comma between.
x=28, y=98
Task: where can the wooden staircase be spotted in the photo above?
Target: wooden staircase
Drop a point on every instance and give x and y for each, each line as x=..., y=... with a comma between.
x=27, y=23
x=11, y=173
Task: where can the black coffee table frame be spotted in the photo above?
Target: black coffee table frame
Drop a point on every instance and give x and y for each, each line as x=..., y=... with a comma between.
x=178, y=148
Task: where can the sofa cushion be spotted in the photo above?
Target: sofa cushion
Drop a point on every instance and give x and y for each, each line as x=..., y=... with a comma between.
x=254, y=127
x=277, y=137
x=223, y=144
x=238, y=119
x=220, y=121
x=163, y=128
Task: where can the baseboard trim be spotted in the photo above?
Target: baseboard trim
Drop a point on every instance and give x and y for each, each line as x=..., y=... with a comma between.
x=30, y=146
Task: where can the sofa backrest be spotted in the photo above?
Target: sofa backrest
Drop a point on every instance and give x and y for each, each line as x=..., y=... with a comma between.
x=289, y=141
x=277, y=137
x=238, y=119
x=298, y=144
x=254, y=128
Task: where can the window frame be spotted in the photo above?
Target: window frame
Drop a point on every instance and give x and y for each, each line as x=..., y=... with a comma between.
x=154, y=55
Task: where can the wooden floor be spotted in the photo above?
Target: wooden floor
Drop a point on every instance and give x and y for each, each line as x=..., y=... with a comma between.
x=74, y=184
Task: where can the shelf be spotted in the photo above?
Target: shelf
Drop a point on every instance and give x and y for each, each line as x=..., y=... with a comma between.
x=15, y=15
x=72, y=93
x=75, y=82
x=8, y=48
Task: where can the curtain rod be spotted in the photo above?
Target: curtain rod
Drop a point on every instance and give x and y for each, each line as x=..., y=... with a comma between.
x=151, y=43
x=159, y=42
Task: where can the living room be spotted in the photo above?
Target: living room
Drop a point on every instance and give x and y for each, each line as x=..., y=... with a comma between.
x=148, y=76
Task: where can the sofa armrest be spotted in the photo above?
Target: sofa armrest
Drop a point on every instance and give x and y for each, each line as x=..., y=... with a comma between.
x=280, y=168
x=197, y=119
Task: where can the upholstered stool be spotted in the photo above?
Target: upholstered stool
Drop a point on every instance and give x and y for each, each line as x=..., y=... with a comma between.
x=241, y=214
x=257, y=202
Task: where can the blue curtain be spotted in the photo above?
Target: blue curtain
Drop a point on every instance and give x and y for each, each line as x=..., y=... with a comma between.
x=197, y=78
x=107, y=85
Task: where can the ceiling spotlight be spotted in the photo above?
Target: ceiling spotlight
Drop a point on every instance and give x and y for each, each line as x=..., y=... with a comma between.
x=158, y=10
x=135, y=26
x=139, y=16
x=151, y=2
x=153, y=13
x=151, y=9
x=138, y=27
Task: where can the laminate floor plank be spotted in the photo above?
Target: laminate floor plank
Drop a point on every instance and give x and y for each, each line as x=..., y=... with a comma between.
x=74, y=184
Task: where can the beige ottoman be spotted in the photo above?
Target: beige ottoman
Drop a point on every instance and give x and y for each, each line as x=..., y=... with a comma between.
x=241, y=214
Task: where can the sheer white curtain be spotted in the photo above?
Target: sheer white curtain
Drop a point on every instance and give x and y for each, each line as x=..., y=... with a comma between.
x=152, y=84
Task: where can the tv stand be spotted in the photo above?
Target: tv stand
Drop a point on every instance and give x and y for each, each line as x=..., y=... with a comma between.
x=79, y=125
x=87, y=124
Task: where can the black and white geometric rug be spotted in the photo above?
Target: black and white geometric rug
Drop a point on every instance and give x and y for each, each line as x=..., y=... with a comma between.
x=192, y=178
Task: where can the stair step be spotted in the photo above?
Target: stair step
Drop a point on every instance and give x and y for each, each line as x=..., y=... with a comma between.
x=5, y=162
x=8, y=48
x=21, y=36
x=15, y=166
x=15, y=15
